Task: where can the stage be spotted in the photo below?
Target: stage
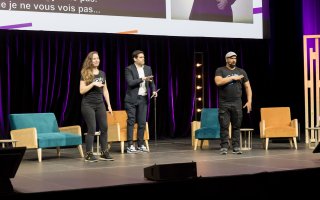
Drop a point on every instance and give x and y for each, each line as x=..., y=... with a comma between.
x=71, y=173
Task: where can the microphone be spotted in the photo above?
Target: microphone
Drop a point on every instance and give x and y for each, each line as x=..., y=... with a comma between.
x=154, y=94
x=149, y=78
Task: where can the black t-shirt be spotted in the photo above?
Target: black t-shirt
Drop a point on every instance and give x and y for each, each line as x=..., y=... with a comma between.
x=95, y=94
x=232, y=91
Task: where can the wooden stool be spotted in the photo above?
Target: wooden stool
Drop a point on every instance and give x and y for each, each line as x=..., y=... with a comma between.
x=6, y=143
x=97, y=133
x=312, y=136
x=246, y=138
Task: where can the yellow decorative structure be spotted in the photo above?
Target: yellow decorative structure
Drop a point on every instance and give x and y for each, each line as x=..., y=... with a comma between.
x=311, y=84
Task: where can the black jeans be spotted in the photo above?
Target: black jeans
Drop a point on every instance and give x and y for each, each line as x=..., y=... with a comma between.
x=93, y=114
x=230, y=112
x=136, y=113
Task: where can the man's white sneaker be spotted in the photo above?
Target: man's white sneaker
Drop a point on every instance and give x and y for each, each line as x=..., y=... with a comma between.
x=131, y=149
x=142, y=148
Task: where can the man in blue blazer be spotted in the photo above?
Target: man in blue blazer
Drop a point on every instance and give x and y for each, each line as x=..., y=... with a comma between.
x=139, y=80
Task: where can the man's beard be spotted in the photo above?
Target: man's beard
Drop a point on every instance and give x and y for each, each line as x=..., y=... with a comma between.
x=232, y=65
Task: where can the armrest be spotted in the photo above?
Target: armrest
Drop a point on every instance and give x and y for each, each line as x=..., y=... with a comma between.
x=194, y=126
x=294, y=124
x=262, y=126
x=111, y=119
x=76, y=129
x=25, y=137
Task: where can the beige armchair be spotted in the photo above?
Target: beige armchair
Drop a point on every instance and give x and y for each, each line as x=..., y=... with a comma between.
x=117, y=129
x=276, y=122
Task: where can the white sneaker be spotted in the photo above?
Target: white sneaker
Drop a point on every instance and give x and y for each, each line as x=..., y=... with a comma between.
x=131, y=149
x=142, y=148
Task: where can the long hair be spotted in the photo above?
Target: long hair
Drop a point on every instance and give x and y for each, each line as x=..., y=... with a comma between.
x=87, y=68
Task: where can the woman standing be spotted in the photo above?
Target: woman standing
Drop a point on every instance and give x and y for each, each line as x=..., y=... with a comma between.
x=93, y=87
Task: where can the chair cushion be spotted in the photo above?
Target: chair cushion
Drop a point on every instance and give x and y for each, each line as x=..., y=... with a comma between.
x=43, y=122
x=276, y=116
x=210, y=127
x=120, y=116
x=209, y=118
x=55, y=139
x=277, y=132
x=207, y=133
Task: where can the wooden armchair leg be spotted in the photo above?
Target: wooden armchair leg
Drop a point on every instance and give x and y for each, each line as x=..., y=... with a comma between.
x=39, y=152
x=290, y=140
x=80, y=150
x=195, y=144
x=58, y=151
x=147, y=144
x=267, y=143
x=295, y=143
x=122, y=146
x=201, y=144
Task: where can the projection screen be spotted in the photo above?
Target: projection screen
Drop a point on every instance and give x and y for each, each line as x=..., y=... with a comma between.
x=194, y=18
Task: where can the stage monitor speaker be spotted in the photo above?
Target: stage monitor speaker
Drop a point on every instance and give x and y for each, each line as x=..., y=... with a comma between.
x=317, y=149
x=10, y=159
x=175, y=171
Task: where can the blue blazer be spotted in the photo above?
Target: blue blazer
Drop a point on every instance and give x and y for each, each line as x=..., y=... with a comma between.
x=133, y=82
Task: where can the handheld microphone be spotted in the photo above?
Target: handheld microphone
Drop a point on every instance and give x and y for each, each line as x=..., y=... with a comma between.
x=149, y=78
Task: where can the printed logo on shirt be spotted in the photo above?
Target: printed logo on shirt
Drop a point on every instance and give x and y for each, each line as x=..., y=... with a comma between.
x=99, y=79
x=234, y=81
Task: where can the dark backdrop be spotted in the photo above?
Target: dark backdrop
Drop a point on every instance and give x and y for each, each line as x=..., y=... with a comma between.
x=40, y=71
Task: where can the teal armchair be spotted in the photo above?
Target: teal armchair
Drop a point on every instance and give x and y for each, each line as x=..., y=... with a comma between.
x=209, y=126
x=40, y=130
